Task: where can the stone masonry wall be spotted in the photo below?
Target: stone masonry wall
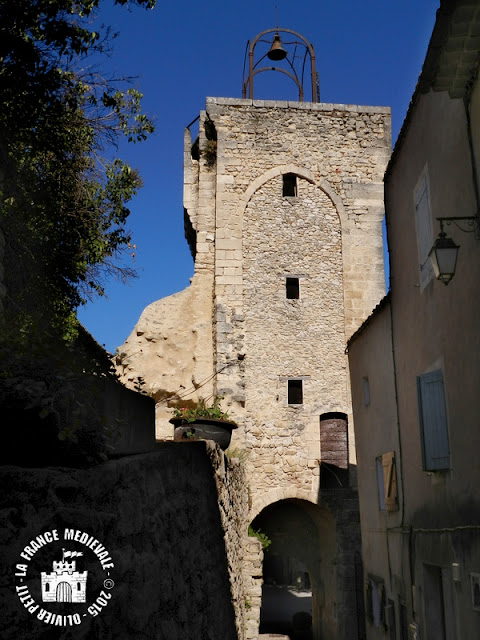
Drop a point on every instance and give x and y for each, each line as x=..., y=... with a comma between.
x=177, y=555
x=252, y=576
x=329, y=235
x=232, y=494
x=3, y=289
x=291, y=236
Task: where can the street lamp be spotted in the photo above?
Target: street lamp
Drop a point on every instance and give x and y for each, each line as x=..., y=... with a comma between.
x=443, y=254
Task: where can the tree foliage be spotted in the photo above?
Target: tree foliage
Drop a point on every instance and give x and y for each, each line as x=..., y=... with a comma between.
x=61, y=201
x=63, y=212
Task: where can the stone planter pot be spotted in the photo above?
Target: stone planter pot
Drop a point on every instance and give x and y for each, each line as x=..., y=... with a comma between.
x=220, y=431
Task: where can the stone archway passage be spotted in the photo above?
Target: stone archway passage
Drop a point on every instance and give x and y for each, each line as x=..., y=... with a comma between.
x=315, y=543
x=299, y=590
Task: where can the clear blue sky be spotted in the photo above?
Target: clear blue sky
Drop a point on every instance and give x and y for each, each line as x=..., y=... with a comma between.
x=368, y=52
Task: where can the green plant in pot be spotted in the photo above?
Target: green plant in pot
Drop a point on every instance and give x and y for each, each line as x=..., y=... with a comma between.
x=203, y=422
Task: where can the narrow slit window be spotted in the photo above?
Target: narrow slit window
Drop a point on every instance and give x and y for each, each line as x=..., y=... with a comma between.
x=289, y=185
x=295, y=392
x=293, y=288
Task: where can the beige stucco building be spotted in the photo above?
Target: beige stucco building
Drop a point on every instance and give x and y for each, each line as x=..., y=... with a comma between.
x=415, y=363
x=283, y=209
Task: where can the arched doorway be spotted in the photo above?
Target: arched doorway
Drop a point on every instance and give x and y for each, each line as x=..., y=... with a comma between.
x=299, y=572
x=64, y=592
x=334, y=450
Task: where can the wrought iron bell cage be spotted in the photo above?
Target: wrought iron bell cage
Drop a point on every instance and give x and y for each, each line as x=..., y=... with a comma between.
x=294, y=53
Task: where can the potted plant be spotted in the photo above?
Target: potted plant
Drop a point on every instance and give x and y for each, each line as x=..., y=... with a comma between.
x=203, y=422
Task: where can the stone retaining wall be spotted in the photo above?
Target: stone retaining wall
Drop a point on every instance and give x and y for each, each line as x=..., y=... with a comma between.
x=176, y=555
x=230, y=480
x=253, y=580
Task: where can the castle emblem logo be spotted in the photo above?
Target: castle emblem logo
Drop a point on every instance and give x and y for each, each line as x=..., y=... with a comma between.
x=65, y=583
x=71, y=598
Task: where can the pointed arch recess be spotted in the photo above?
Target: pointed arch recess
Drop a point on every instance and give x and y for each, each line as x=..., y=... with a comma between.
x=322, y=184
x=302, y=172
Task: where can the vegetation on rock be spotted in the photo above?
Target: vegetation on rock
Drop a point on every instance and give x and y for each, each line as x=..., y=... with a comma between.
x=259, y=535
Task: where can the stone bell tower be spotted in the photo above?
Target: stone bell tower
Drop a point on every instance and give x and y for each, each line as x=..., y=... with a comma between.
x=283, y=208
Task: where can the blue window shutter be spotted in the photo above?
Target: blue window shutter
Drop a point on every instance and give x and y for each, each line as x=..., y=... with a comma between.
x=433, y=421
x=424, y=231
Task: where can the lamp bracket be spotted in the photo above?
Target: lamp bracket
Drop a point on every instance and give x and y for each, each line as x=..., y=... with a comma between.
x=471, y=221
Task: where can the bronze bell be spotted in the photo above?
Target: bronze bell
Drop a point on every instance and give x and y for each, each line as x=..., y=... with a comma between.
x=276, y=52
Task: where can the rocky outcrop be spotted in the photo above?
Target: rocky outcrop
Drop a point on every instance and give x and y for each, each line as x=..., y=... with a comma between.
x=169, y=354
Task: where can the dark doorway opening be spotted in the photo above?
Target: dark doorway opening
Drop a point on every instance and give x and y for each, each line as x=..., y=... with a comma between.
x=333, y=450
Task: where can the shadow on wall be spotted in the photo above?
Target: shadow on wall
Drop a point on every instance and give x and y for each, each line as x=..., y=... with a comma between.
x=65, y=406
x=157, y=515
